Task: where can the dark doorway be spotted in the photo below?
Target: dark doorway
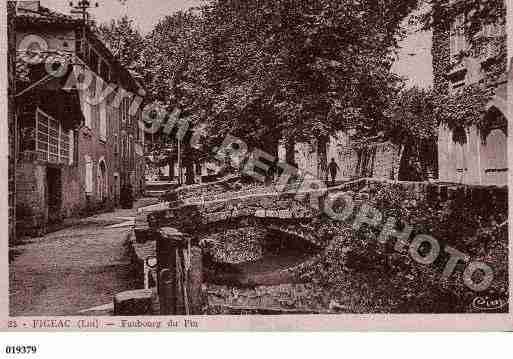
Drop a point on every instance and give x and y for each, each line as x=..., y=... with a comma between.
x=54, y=194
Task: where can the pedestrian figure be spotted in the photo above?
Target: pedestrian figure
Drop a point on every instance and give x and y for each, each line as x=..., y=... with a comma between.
x=333, y=168
x=271, y=172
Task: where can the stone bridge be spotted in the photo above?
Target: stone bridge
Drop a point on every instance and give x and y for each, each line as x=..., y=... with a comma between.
x=258, y=238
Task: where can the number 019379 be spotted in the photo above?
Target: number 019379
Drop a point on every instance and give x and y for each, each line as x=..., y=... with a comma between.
x=20, y=349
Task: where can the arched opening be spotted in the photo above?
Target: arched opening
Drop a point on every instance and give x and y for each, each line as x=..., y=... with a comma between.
x=117, y=188
x=494, y=158
x=102, y=181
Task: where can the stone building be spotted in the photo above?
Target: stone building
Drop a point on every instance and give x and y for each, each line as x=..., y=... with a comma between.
x=78, y=112
x=379, y=159
x=469, y=154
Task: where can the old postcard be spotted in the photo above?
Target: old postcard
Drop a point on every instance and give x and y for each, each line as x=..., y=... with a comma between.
x=256, y=165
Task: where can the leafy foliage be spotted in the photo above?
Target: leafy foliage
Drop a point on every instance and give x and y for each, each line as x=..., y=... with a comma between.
x=307, y=68
x=412, y=124
x=477, y=15
x=123, y=40
x=476, y=12
x=364, y=275
x=463, y=109
x=412, y=116
x=293, y=68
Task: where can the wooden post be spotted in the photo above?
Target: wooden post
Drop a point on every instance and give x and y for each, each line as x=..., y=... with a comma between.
x=195, y=281
x=169, y=240
x=180, y=274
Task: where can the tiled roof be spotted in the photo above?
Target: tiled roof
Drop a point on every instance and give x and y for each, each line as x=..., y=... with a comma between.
x=45, y=16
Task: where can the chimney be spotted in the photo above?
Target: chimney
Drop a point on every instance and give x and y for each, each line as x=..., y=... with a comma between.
x=27, y=6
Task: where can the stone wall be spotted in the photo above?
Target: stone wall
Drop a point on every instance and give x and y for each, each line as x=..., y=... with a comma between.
x=380, y=160
x=31, y=201
x=241, y=204
x=73, y=199
x=475, y=162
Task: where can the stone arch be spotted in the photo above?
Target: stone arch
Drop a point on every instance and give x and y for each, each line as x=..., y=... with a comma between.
x=494, y=118
x=494, y=159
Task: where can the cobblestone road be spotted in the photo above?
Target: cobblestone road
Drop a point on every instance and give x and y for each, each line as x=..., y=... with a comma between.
x=71, y=270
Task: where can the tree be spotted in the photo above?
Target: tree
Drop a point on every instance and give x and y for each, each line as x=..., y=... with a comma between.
x=173, y=64
x=412, y=123
x=123, y=40
x=306, y=69
x=288, y=68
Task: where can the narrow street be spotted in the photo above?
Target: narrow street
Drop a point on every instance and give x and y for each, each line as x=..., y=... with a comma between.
x=72, y=270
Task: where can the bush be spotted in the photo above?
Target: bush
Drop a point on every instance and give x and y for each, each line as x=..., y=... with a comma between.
x=372, y=277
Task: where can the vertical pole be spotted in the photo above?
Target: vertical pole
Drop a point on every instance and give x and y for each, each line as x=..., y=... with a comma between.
x=179, y=162
x=169, y=243
x=166, y=258
x=195, y=281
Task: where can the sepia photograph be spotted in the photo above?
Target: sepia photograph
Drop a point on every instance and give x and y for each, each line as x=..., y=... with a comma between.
x=170, y=161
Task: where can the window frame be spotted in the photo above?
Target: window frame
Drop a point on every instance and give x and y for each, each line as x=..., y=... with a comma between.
x=89, y=176
x=103, y=118
x=63, y=140
x=116, y=144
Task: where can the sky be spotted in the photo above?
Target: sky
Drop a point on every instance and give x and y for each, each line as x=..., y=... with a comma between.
x=414, y=58
x=146, y=13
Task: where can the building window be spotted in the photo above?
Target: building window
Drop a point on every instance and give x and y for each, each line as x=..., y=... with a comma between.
x=123, y=147
x=130, y=147
x=88, y=114
x=493, y=30
x=457, y=37
x=87, y=108
x=101, y=183
x=140, y=128
x=103, y=121
x=88, y=175
x=93, y=60
x=125, y=108
x=104, y=71
x=53, y=143
x=79, y=48
x=116, y=145
x=71, y=147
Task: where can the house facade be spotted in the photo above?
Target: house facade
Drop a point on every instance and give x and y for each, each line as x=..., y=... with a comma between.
x=472, y=154
x=77, y=109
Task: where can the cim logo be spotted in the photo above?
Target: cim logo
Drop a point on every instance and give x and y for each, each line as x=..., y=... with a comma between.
x=488, y=303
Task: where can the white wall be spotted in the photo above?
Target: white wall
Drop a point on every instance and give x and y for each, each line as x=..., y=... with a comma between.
x=474, y=162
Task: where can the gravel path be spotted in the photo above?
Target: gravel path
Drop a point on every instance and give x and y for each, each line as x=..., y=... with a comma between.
x=71, y=270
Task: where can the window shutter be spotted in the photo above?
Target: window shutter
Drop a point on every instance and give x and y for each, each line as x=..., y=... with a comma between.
x=103, y=121
x=89, y=175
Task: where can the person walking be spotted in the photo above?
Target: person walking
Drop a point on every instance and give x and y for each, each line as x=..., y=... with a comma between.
x=333, y=168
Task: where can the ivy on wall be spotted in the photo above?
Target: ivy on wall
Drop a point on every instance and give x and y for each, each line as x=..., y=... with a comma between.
x=464, y=109
x=467, y=106
x=477, y=13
